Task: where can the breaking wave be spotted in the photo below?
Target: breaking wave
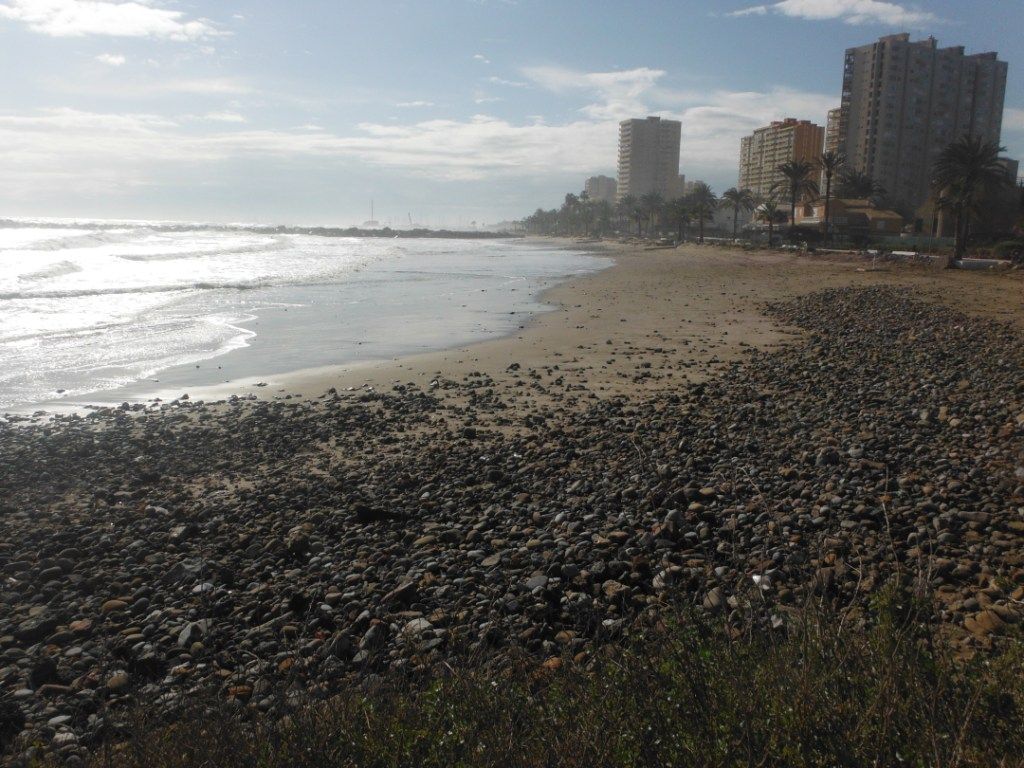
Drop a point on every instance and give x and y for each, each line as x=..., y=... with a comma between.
x=277, y=244
x=59, y=269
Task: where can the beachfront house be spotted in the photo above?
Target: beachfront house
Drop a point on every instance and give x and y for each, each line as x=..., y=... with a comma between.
x=850, y=218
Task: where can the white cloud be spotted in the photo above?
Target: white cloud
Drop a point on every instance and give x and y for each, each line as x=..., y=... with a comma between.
x=481, y=58
x=207, y=86
x=1013, y=119
x=112, y=59
x=414, y=104
x=37, y=148
x=224, y=117
x=507, y=83
x=849, y=11
x=713, y=122
x=754, y=10
x=54, y=141
x=76, y=18
x=620, y=94
x=711, y=130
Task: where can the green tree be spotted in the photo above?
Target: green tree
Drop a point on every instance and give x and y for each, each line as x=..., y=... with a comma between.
x=830, y=163
x=627, y=205
x=568, y=214
x=769, y=213
x=651, y=204
x=585, y=213
x=703, y=202
x=603, y=213
x=678, y=211
x=797, y=186
x=737, y=200
x=965, y=173
x=857, y=185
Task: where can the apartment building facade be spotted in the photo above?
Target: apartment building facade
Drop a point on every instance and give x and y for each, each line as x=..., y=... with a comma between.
x=832, y=130
x=767, y=148
x=648, y=158
x=601, y=189
x=903, y=102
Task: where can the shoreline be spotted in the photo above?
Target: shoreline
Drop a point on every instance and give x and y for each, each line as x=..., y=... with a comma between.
x=282, y=331
x=738, y=435
x=718, y=292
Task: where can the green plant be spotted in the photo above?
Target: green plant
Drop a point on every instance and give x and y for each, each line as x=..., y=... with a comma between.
x=824, y=688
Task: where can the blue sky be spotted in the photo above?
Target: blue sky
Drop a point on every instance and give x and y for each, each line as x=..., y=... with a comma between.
x=450, y=111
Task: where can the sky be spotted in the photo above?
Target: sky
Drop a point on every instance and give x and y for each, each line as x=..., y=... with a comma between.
x=443, y=112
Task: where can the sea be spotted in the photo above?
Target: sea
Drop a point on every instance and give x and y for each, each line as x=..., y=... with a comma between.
x=94, y=312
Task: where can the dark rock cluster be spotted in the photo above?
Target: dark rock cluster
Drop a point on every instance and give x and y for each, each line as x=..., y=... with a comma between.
x=268, y=551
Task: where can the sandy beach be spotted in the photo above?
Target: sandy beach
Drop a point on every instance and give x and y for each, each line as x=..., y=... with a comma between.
x=735, y=434
x=655, y=318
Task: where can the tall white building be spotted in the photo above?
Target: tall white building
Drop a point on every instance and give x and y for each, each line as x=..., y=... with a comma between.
x=648, y=157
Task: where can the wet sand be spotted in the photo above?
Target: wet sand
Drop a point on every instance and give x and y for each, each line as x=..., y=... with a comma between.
x=691, y=308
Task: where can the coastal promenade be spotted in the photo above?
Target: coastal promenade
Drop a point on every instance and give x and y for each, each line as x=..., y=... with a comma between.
x=740, y=434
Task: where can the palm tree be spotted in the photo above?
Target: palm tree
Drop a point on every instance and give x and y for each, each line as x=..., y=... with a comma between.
x=703, y=202
x=603, y=212
x=830, y=163
x=569, y=212
x=859, y=186
x=678, y=210
x=651, y=203
x=639, y=213
x=626, y=207
x=798, y=185
x=965, y=173
x=586, y=213
x=737, y=199
x=768, y=211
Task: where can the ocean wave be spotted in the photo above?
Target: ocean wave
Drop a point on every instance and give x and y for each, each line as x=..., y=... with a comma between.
x=276, y=244
x=74, y=293
x=233, y=285
x=87, y=240
x=59, y=269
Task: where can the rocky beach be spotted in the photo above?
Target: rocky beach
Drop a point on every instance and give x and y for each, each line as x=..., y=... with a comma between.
x=739, y=434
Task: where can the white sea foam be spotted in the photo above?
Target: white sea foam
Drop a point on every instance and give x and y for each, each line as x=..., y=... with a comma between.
x=85, y=310
x=58, y=269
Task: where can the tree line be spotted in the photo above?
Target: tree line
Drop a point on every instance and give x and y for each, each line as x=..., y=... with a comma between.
x=966, y=176
x=645, y=215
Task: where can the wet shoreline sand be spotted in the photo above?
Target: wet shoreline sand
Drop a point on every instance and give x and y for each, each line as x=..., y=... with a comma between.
x=700, y=307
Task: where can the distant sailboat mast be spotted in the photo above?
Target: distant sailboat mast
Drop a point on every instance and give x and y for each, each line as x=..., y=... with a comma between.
x=372, y=223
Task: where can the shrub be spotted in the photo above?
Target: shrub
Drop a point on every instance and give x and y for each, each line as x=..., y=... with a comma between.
x=820, y=690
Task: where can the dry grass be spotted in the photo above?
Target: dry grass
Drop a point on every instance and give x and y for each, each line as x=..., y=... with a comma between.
x=817, y=693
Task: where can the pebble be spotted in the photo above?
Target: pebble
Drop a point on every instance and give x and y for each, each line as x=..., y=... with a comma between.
x=253, y=547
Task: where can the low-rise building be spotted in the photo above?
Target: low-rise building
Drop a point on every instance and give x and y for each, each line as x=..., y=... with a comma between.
x=850, y=218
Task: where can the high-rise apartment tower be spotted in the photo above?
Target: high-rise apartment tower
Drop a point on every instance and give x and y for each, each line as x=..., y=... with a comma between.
x=648, y=157
x=767, y=148
x=903, y=102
